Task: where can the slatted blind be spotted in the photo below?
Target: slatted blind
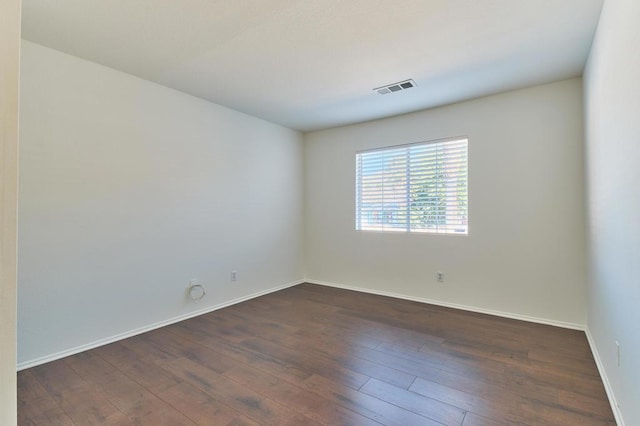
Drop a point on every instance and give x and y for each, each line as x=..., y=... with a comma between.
x=420, y=187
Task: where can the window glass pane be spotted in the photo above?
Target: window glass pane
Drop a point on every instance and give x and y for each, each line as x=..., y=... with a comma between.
x=413, y=188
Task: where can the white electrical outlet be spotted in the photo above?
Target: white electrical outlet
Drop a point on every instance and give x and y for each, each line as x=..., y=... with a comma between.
x=234, y=275
x=440, y=276
x=618, y=352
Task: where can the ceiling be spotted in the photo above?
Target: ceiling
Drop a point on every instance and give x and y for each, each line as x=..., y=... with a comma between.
x=312, y=64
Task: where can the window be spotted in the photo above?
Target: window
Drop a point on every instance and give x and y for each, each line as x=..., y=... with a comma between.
x=420, y=187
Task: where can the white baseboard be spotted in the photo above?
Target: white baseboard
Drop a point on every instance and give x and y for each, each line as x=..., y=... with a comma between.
x=605, y=380
x=48, y=358
x=510, y=315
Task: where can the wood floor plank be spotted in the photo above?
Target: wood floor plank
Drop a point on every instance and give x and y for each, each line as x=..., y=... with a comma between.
x=471, y=419
x=584, y=404
x=154, y=411
x=119, y=389
x=252, y=404
x=376, y=409
x=331, y=347
x=318, y=365
x=36, y=406
x=496, y=408
x=308, y=403
x=300, y=360
x=146, y=350
x=345, y=352
x=537, y=413
x=74, y=395
x=149, y=376
x=411, y=401
x=139, y=404
x=444, y=358
x=263, y=361
x=197, y=352
x=347, y=356
x=457, y=376
x=572, y=363
x=369, y=337
x=116, y=354
x=310, y=315
x=556, y=378
x=318, y=355
x=201, y=407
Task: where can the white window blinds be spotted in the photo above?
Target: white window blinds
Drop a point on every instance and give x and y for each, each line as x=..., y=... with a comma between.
x=420, y=187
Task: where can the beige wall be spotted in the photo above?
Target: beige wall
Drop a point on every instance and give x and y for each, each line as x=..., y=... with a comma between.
x=612, y=100
x=524, y=255
x=9, y=66
x=128, y=190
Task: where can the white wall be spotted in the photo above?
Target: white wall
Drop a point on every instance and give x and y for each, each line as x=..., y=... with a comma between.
x=128, y=190
x=9, y=82
x=612, y=99
x=524, y=254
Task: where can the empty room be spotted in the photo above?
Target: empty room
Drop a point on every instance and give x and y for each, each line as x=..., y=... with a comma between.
x=322, y=212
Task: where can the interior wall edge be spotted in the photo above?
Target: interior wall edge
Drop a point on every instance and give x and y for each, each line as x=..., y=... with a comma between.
x=10, y=50
x=140, y=330
x=605, y=379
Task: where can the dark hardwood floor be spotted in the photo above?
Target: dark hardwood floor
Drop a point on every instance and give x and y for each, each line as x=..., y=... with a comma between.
x=313, y=355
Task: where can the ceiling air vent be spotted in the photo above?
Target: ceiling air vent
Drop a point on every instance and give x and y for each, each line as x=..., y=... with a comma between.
x=395, y=87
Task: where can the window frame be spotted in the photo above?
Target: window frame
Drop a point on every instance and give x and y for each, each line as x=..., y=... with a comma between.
x=409, y=228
